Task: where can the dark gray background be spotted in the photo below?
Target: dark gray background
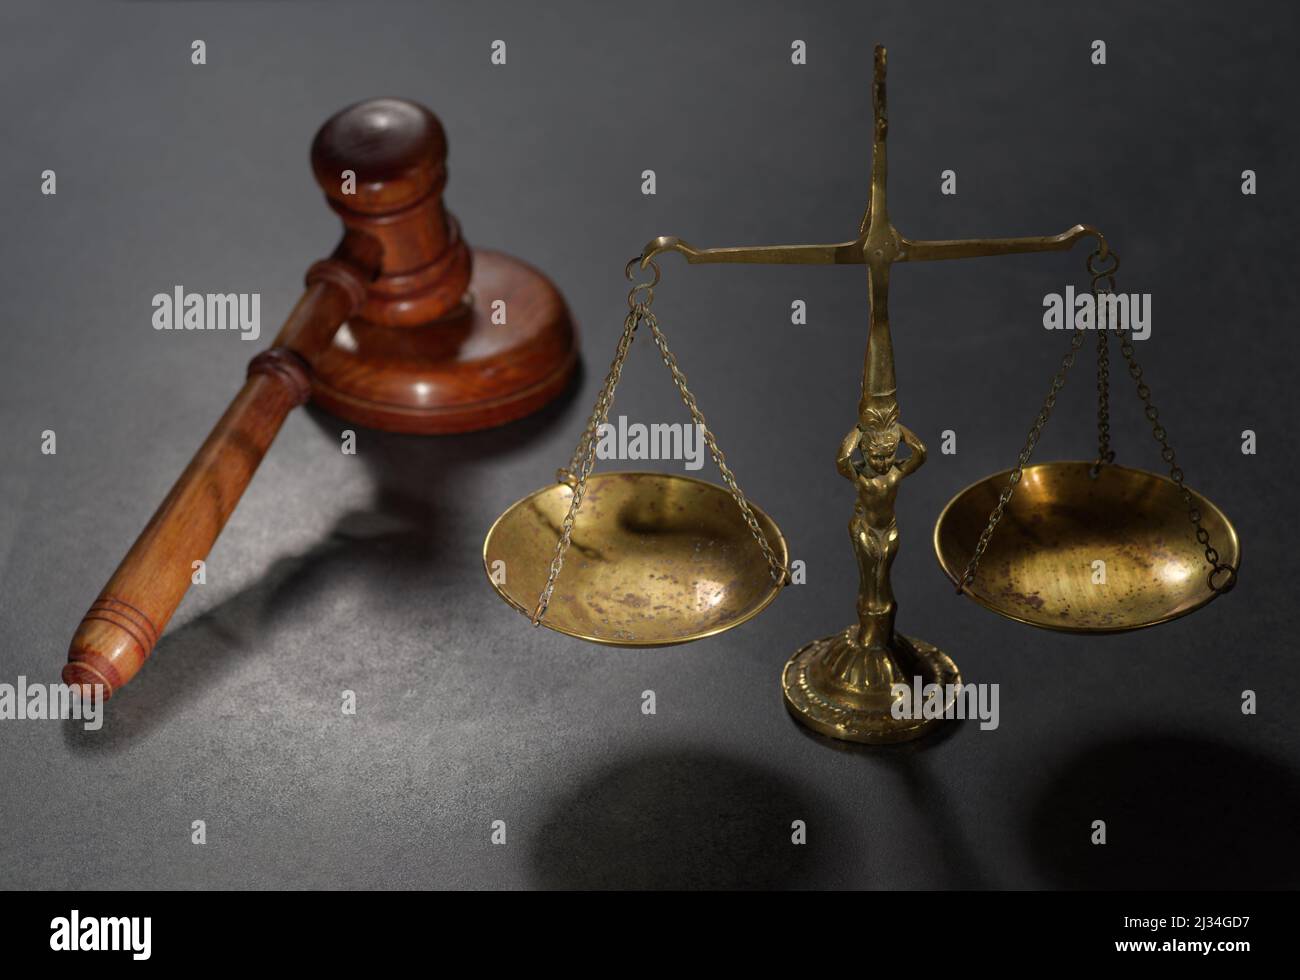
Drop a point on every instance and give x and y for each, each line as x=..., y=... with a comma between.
x=365, y=572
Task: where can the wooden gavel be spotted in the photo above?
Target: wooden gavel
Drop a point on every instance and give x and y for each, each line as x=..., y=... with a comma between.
x=403, y=328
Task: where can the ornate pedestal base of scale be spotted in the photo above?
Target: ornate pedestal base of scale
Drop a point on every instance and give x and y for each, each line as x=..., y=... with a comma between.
x=664, y=559
x=841, y=687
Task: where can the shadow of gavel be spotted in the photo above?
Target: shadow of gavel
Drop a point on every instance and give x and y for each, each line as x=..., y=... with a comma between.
x=403, y=328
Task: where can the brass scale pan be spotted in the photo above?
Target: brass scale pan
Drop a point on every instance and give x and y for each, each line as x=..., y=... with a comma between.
x=655, y=559
x=658, y=559
x=1040, y=564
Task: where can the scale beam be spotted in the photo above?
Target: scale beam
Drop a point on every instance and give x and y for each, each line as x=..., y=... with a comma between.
x=841, y=253
x=854, y=252
x=979, y=247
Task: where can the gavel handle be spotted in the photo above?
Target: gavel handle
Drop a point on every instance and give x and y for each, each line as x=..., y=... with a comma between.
x=123, y=625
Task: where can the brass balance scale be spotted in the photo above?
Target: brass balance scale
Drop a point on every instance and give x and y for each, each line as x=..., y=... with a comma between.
x=656, y=559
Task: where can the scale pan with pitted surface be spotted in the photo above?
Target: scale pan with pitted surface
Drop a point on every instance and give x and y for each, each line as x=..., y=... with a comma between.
x=1041, y=565
x=655, y=559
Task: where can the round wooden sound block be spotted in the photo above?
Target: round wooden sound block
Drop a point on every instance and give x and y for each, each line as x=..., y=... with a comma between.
x=504, y=353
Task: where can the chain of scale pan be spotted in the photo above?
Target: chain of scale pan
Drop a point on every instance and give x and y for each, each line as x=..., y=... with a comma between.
x=1103, y=282
x=1058, y=382
x=1099, y=276
x=639, y=299
x=1104, y=453
x=1222, y=576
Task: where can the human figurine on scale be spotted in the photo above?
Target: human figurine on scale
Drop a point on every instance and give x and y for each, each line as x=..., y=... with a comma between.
x=873, y=528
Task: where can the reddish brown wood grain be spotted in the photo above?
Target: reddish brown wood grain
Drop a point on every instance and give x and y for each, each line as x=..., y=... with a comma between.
x=462, y=373
x=123, y=625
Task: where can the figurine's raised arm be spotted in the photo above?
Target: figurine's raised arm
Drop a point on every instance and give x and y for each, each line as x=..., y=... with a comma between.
x=844, y=461
x=914, y=461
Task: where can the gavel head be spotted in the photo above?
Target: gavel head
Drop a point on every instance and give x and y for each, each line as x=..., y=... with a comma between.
x=448, y=338
x=383, y=166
